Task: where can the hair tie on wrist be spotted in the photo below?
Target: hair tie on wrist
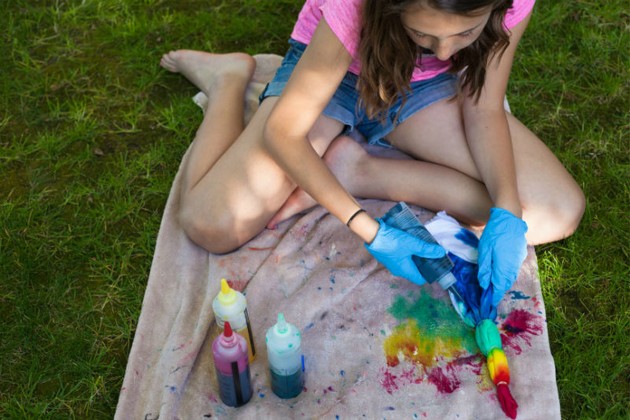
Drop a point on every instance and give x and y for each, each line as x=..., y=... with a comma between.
x=356, y=213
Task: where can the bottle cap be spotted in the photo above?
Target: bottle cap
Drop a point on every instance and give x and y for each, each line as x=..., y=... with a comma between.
x=227, y=295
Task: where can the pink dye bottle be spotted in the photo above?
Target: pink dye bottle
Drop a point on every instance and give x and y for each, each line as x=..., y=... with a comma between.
x=231, y=362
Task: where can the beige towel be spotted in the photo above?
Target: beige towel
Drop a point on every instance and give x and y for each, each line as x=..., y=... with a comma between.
x=375, y=346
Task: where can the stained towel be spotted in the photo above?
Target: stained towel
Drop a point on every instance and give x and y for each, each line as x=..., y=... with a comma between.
x=374, y=345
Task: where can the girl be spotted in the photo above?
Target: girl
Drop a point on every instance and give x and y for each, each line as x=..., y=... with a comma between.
x=427, y=77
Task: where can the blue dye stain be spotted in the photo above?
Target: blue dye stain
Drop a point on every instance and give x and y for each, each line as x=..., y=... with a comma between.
x=332, y=279
x=415, y=416
x=171, y=388
x=337, y=417
x=309, y=326
x=518, y=295
x=319, y=288
x=261, y=395
x=342, y=372
x=467, y=237
x=390, y=408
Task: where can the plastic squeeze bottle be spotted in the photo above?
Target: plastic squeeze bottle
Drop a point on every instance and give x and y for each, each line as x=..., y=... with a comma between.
x=432, y=269
x=286, y=363
x=231, y=305
x=229, y=351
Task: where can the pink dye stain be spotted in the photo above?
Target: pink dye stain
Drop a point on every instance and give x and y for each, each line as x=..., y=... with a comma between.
x=410, y=376
x=238, y=285
x=388, y=381
x=473, y=362
x=445, y=380
x=256, y=248
x=520, y=326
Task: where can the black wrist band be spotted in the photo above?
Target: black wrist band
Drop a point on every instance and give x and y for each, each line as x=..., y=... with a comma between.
x=356, y=213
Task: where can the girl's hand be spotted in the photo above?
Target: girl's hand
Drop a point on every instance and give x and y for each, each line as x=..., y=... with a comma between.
x=502, y=250
x=393, y=248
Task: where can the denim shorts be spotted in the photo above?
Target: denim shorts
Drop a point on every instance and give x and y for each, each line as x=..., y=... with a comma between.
x=343, y=105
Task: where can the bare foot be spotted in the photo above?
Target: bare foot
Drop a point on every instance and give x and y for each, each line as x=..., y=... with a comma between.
x=297, y=202
x=204, y=69
x=344, y=158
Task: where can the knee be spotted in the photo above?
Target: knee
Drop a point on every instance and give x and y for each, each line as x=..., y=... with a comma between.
x=569, y=209
x=211, y=233
x=558, y=217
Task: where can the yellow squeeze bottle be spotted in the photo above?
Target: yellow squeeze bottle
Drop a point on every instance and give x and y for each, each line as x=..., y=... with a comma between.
x=230, y=305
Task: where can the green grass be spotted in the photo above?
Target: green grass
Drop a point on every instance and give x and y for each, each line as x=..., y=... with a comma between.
x=92, y=132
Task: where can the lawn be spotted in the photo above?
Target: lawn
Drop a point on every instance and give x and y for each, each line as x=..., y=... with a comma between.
x=92, y=131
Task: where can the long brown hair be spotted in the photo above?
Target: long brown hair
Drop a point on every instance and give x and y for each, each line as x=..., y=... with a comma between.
x=388, y=55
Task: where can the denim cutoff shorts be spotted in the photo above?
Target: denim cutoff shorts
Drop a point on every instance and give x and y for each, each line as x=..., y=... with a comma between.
x=343, y=105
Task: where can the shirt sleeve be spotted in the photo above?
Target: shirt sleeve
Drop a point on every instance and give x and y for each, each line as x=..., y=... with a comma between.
x=519, y=11
x=344, y=19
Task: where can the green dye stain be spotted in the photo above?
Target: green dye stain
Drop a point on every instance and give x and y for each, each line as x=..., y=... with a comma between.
x=435, y=318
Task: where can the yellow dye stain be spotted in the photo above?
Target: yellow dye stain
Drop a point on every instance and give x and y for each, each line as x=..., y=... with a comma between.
x=410, y=343
x=485, y=383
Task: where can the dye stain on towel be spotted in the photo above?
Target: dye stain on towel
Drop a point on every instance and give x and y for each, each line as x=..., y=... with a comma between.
x=431, y=344
x=519, y=327
x=429, y=337
x=435, y=326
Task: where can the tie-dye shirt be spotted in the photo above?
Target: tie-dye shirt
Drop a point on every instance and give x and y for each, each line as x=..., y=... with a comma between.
x=343, y=18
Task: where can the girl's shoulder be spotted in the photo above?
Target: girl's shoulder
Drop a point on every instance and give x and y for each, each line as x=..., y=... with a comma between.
x=343, y=17
x=519, y=11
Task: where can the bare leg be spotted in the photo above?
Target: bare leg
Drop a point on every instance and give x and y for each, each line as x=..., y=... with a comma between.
x=553, y=203
x=366, y=176
x=231, y=187
x=224, y=79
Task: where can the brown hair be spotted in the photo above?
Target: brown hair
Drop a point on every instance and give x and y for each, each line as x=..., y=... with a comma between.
x=389, y=55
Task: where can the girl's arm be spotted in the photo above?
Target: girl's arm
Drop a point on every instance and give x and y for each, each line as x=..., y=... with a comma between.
x=503, y=246
x=311, y=86
x=487, y=129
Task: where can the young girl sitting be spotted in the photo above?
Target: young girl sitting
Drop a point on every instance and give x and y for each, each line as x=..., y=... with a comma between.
x=427, y=77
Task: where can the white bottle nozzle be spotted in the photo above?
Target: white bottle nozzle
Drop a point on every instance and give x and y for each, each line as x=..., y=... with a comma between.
x=281, y=326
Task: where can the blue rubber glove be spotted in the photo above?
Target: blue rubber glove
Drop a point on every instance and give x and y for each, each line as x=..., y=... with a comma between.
x=393, y=248
x=502, y=250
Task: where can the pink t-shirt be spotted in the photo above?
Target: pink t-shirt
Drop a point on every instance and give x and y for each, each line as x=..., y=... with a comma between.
x=343, y=18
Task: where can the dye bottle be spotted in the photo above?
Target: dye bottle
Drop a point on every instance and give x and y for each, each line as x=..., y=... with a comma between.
x=229, y=351
x=286, y=362
x=432, y=269
x=231, y=305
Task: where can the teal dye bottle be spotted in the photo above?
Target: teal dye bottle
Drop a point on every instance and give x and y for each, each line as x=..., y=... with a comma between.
x=286, y=362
